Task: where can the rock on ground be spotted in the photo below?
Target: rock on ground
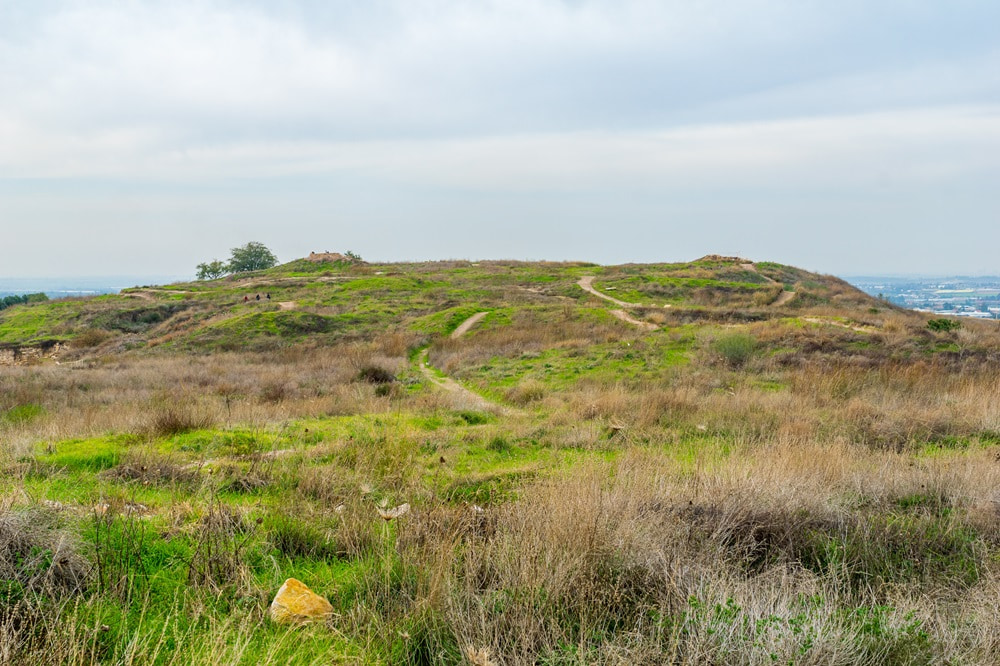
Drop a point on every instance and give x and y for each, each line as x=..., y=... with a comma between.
x=296, y=603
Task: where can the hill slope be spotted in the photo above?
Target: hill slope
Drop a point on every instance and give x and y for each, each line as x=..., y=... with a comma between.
x=326, y=302
x=709, y=462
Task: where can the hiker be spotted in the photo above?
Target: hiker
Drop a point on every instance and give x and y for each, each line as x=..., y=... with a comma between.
x=246, y=298
x=258, y=297
x=268, y=295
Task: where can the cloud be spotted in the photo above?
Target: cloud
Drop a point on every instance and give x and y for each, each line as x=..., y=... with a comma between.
x=923, y=146
x=214, y=72
x=223, y=115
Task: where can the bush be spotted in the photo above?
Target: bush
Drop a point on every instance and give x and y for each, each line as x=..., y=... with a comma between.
x=735, y=349
x=36, y=556
x=527, y=391
x=92, y=337
x=167, y=420
x=943, y=325
x=374, y=374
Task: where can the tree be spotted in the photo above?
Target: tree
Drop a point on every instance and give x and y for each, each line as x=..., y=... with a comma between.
x=212, y=270
x=9, y=301
x=251, y=257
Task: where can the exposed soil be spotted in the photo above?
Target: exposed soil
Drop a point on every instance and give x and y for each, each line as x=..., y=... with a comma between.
x=466, y=325
x=587, y=284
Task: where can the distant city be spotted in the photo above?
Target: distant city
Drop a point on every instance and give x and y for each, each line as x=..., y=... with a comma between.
x=977, y=297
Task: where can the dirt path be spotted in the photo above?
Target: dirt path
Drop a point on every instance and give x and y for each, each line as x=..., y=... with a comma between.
x=284, y=281
x=464, y=398
x=783, y=298
x=150, y=293
x=587, y=284
x=624, y=316
x=287, y=305
x=834, y=322
x=467, y=325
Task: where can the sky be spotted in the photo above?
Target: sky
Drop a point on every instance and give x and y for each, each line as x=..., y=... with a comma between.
x=849, y=137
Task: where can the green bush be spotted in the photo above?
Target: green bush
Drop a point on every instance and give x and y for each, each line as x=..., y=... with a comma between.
x=735, y=349
x=943, y=325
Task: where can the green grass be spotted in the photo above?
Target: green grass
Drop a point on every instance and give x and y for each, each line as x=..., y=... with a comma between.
x=633, y=361
x=84, y=455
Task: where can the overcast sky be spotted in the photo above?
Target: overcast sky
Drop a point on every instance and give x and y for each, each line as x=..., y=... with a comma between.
x=848, y=137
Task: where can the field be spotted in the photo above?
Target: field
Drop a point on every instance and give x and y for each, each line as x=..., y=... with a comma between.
x=716, y=462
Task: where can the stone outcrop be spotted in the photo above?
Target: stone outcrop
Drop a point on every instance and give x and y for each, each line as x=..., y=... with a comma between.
x=295, y=604
x=326, y=256
x=26, y=355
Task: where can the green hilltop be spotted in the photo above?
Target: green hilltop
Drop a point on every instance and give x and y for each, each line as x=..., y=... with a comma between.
x=325, y=302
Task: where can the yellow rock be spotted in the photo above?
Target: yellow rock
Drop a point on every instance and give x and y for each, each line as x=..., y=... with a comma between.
x=295, y=602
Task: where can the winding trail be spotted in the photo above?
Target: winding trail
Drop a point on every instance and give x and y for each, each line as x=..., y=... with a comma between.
x=587, y=284
x=783, y=297
x=465, y=398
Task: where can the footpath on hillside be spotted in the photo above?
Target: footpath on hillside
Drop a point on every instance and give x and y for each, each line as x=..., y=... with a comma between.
x=587, y=284
x=465, y=398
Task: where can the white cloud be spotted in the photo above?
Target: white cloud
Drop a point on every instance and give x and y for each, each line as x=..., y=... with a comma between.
x=644, y=109
x=920, y=146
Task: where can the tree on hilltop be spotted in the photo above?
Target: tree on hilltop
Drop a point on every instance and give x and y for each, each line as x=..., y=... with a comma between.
x=212, y=270
x=251, y=257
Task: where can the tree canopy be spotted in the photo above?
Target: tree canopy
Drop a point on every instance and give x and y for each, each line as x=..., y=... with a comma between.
x=212, y=270
x=253, y=256
x=8, y=301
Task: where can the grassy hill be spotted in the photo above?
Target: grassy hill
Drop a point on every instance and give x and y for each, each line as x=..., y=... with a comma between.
x=710, y=462
x=338, y=301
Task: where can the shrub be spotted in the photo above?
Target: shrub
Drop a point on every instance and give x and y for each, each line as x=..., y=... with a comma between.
x=944, y=325
x=177, y=418
x=92, y=337
x=527, y=391
x=223, y=537
x=374, y=374
x=735, y=349
x=36, y=556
